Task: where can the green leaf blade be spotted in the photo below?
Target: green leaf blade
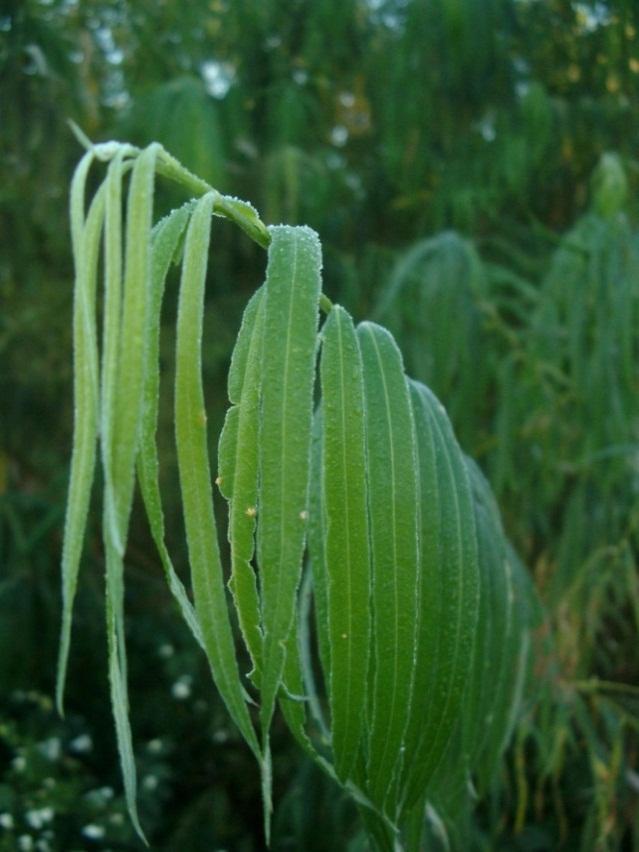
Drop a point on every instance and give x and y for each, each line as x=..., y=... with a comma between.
x=460, y=601
x=291, y=317
x=238, y=474
x=317, y=546
x=347, y=547
x=122, y=414
x=128, y=394
x=393, y=504
x=86, y=248
x=195, y=479
x=433, y=582
x=166, y=238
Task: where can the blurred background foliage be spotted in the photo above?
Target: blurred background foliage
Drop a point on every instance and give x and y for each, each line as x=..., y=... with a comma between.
x=471, y=168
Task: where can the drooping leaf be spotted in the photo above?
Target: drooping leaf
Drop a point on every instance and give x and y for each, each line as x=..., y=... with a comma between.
x=166, y=238
x=238, y=473
x=195, y=477
x=86, y=247
x=113, y=295
x=123, y=411
x=294, y=701
x=288, y=367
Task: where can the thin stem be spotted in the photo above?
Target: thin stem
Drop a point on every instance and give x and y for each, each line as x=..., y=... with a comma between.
x=595, y=685
x=241, y=213
x=325, y=303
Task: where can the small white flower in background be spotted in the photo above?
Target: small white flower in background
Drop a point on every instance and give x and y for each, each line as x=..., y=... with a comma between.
x=43, y=846
x=339, y=135
x=6, y=821
x=33, y=819
x=150, y=782
x=218, y=77
x=181, y=689
x=155, y=746
x=19, y=763
x=100, y=796
x=116, y=819
x=51, y=748
x=81, y=744
x=165, y=651
x=37, y=817
x=93, y=831
x=25, y=843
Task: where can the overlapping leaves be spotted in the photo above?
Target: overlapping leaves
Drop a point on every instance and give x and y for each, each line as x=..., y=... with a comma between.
x=409, y=571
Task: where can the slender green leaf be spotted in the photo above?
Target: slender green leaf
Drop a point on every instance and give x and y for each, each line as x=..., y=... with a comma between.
x=347, y=549
x=434, y=582
x=194, y=473
x=291, y=317
x=111, y=323
x=487, y=684
x=86, y=248
x=245, y=341
x=238, y=472
x=293, y=701
x=316, y=547
x=306, y=623
x=393, y=506
x=123, y=411
x=460, y=601
x=166, y=238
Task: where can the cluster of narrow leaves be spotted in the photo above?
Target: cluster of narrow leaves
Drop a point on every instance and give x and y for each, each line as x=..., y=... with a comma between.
x=552, y=348
x=346, y=490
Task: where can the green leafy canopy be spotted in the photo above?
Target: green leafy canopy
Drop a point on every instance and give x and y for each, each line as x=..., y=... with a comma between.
x=345, y=478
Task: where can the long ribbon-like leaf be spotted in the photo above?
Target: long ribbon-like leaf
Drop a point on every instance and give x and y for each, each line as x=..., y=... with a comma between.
x=122, y=410
x=487, y=684
x=393, y=505
x=238, y=473
x=86, y=247
x=195, y=478
x=291, y=318
x=347, y=548
x=316, y=547
x=112, y=313
x=458, y=554
x=166, y=238
x=434, y=583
